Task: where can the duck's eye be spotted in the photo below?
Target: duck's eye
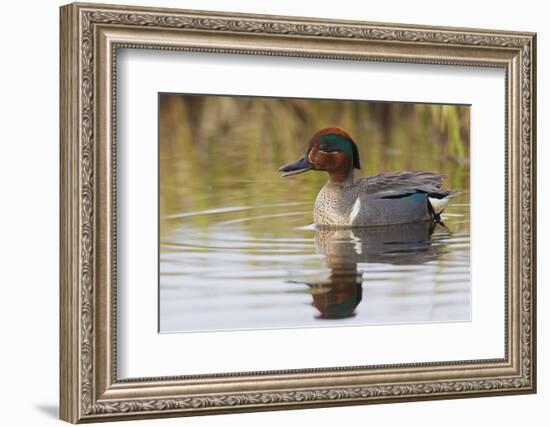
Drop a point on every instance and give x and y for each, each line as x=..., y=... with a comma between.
x=323, y=147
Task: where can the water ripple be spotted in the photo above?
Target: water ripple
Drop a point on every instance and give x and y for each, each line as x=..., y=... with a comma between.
x=254, y=264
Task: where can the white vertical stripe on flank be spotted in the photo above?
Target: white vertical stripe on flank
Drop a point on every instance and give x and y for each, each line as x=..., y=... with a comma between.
x=355, y=210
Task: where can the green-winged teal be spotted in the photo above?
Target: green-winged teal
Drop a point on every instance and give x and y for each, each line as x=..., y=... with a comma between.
x=387, y=198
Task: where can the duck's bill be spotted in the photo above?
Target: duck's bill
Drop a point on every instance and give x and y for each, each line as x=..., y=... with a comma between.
x=294, y=172
x=299, y=166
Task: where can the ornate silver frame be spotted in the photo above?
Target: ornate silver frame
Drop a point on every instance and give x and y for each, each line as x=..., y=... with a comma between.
x=90, y=36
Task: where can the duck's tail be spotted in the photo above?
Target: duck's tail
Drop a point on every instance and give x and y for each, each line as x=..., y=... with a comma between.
x=438, y=204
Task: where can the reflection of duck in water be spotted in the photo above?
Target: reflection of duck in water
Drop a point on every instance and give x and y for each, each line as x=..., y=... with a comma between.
x=397, y=244
x=406, y=244
x=337, y=297
x=387, y=198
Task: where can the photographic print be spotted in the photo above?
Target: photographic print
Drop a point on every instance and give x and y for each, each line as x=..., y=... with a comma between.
x=291, y=213
x=305, y=194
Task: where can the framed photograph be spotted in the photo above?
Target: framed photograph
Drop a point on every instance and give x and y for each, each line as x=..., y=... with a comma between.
x=265, y=212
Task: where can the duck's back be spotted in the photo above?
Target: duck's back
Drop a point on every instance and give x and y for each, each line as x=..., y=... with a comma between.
x=400, y=184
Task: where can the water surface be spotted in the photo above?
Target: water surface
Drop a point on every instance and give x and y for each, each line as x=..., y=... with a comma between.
x=264, y=267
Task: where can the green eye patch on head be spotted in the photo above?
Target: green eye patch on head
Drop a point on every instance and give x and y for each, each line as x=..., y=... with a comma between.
x=334, y=142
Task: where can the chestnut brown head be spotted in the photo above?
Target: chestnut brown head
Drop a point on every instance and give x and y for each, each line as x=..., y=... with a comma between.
x=332, y=150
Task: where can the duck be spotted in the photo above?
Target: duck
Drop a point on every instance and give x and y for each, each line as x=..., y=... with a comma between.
x=385, y=199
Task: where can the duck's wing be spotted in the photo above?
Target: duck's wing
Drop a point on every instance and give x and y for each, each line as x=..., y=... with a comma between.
x=402, y=184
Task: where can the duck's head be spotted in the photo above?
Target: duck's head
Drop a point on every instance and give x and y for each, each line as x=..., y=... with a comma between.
x=332, y=150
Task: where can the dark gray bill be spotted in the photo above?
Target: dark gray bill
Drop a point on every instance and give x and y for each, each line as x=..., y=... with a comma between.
x=299, y=166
